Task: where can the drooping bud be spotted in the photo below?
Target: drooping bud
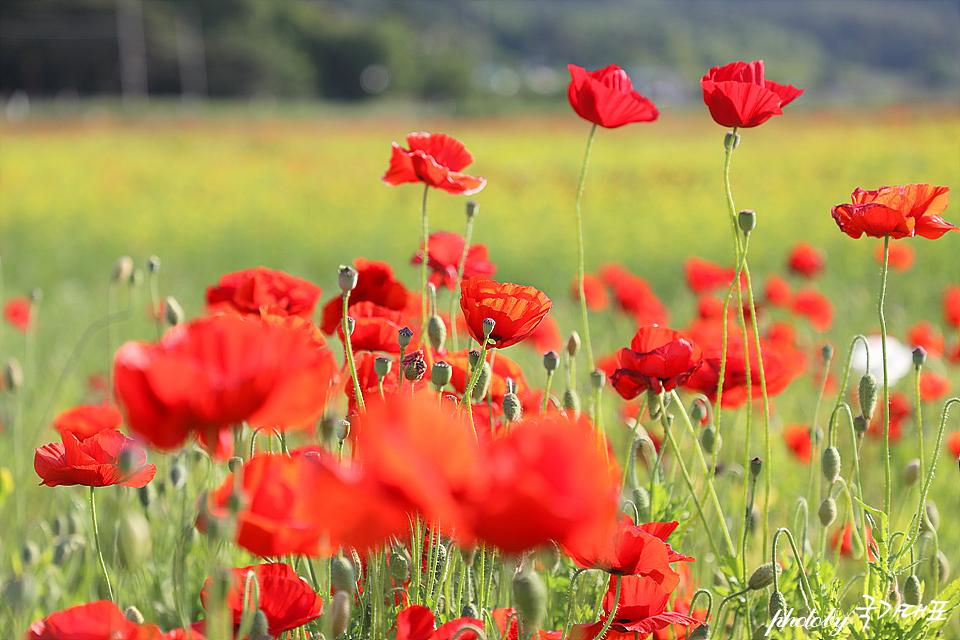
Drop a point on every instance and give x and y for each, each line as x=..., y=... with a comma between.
x=571, y=402
x=641, y=498
x=530, y=596
x=347, y=278
x=473, y=208
x=178, y=475
x=912, y=590
x=551, y=360
x=747, y=219
x=777, y=604
x=911, y=472
x=573, y=344
x=830, y=464
x=827, y=511
x=153, y=264
x=919, y=357
x=343, y=575
x=512, y=409
x=122, y=270
x=172, y=311
x=440, y=374
x=943, y=566
x=708, y=439
x=597, y=379
x=867, y=393
x=260, y=628
x=932, y=517
x=698, y=411
x=860, y=426
x=731, y=140
x=133, y=614
x=483, y=382
x=136, y=278
x=436, y=332
x=404, y=336
x=763, y=576
x=339, y=614
x=382, y=366
x=12, y=375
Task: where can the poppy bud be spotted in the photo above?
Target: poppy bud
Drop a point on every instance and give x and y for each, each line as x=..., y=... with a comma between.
x=756, y=464
x=763, y=576
x=912, y=590
x=700, y=633
x=134, y=541
x=512, y=409
x=343, y=575
x=339, y=614
x=178, y=475
x=708, y=439
x=641, y=498
x=827, y=511
x=30, y=553
x=826, y=352
x=133, y=614
x=62, y=551
x=436, y=332
x=473, y=357
x=382, y=366
x=440, y=374
x=414, y=366
x=731, y=140
x=20, y=592
x=867, y=393
x=399, y=565
x=153, y=264
x=894, y=597
x=473, y=208
x=919, y=357
x=404, y=336
x=551, y=360
x=698, y=411
x=488, y=326
x=469, y=610
x=172, y=311
x=830, y=464
x=136, y=278
x=483, y=382
x=860, y=426
x=347, y=278
x=777, y=604
x=122, y=270
x=932, y=517
x=12, y=375
x=747, y=219
x=342, y=430
x=573, y=344
x=349, y=324
x=597, y=379
x=571, y=402
x=530, y=596
x=549, y=555
x=260, y=628
x=235, y=464
x=943, y=566
x=911, y=473
x=59, y=525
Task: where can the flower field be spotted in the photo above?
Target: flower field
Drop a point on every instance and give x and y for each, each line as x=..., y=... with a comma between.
x=263, y=452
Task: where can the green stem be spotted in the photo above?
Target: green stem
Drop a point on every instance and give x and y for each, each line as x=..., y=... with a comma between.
x=456, y=287
x=580, y=251
x=423, y=267
x=886, y=381
x=916, y=392
x=96, y=539
x=349, y=355
x=616, y=600
x=468, y=393
x=546, y=393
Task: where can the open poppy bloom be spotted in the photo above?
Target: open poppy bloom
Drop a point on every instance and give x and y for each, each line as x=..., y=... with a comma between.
x=210, y=375
x=17, y=312
x=435, y=159
x=511, y=631
x=87, y=419
x=516, y=310
x=594, y=291
x=106, y=458
x=815, y=307
x=100, y=620
x=738, y=95
x=641, y=610
x=417, y=622
x=445, y=251
x=953, y=444
x=659, y=359
x=899, y=257
x=898, y=212
x=806, y=261
x=634, y=296
x=606, y=97
x=797, y=439
x=704, y=276
x=286, y=600
x=246, y=291
x=951, y=305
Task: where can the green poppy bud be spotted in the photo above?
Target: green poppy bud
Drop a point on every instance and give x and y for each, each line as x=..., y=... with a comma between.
x=178, y=475
x=571, y=402
x=234, y=464
x=867, y=394
x=260, y=628
x=827, y=511
x=830, y=464
x=512, y=409
x=912, y=590
x=122, y=270
x=343, y=575
x=747, y=219
x=473, y=208
x=597, y=379
x=436, y=332
x=172, y=311
x=777, y=604
x=483, y=382
x=347, y=278
x=826, y=352
x=440, y=374
x=860, y=426
x=731, y=140
x=698, y=411
x=932, y=519
x=708, y=439
x=530, y=596
x=911, y=472
x=399, y=564
x=339, y=613
x=763, y=576
x=349, y=324
x=133, y=614
x=641, y=498
x=943, y=566
x=551, y=360
x=894, y=597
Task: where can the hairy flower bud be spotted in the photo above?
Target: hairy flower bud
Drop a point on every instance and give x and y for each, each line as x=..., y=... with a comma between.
x=763, y=576
x=700, y=633
x=860, y=426
x=349, y=324
x=641, y=498
x=867, y=393
x=777, y=604
x=708, y=439
x=827, y=511
x=512, y=408
x=339, y=614
x=912, y=590
x=911, y=472
x=343, y=575
x=830, y=464
x=571, y=402
x=436, y=332
x=483, y=382
x=699, y=412
x=399, y=563
x=260, y=628
x=530, y=596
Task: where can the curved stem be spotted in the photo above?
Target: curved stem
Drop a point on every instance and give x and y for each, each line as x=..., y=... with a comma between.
x=573, y=581
x=580, y=252
x=96, y=539
x=616, y=606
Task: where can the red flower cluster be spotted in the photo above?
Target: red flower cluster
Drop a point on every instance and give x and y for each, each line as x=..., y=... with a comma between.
x=435, y=159
x=516, y=310
x=419, y=623
x=898, y=212
x=738, y=95
x=606, y=97
x=248, y=291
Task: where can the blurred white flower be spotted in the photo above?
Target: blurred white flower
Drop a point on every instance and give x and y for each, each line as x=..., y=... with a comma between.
x=899, y=358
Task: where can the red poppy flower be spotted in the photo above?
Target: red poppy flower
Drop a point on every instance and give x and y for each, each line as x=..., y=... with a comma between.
x=634, y=296
x=681, y=605
x=953, y=443
x=606, y=97
x=248, y=290
x=640, y=610
x=933, y=387
x=900, y=410
x=501, y=616
x=446, y=250
x=846, y=544
x=516, y=310
x=376, y=283
x=898, y=212
x=738, y=95
x=777, y=291
x=806, y=261
x=214, y=373
x=17, y=312
x=659, y=359
x=100, y=620
x=286, y=600
x=925, y=334
x=546, y=336
x=375, y=328
x=951, y=305
x=435, y=159
x=797, y=439
x=418, y=623
x=594, y=291
x=85, y=420
x=103, y=459
x=813, y=305
x=704, y=276
x=546, y=479
x=899, y=258
x=365, y=363
x=276, y=316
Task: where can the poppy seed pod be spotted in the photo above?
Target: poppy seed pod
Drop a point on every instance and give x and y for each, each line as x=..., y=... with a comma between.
x=347, y=278
x=777, y=604
x=551, y=360
x=235, y=464
x=404, y=336
x=436, y=332
x=827, y=511
x=763, y=576
x=382, y=366
x=912, y=590
x=414, y=366
x=122, y=270
x=488, y=325
x=573, y=344
x=473, y=208
x=172, y=311
x=473, y=357
x=598, y=379
x=756, y=464
x=830, y=464
x=867, y=394
x=747, y=219
x=530, y=595
x=342, y=430
x=440, y=374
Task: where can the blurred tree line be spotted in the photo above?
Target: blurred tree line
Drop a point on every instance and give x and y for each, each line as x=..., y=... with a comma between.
x=458, y=49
